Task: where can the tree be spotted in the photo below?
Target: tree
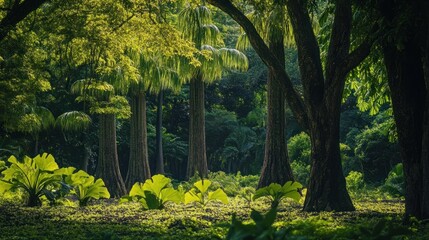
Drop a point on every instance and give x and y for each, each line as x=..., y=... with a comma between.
x=276, y=167
x=196, y=25
x=406, y=57
x=319, y=110
x=16, y=11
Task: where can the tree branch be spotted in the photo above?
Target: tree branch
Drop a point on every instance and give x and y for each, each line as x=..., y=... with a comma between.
x=310, y=64
x=18, y=12
x=294, y=100
x=362, y=51
x=339, y=43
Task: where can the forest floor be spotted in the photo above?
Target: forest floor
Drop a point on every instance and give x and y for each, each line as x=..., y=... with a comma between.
x=107, y=219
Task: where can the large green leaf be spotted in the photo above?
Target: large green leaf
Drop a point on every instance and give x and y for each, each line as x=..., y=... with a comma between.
x=4, y=186
x=192, y=196
x=151, y=201
x=137, y=190
x=45, y=162
x=220, y=195
x=156, y=184
x=290, y=190
x=170, y=194
x=203, y=185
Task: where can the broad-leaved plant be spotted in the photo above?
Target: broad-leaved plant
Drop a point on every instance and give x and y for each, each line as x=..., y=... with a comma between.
x=34, y=176
x=276, y=192
x=199, y=193
x=86, y=187
x=154, y=193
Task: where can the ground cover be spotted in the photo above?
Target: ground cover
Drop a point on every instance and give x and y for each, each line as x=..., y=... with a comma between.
x=107, y=219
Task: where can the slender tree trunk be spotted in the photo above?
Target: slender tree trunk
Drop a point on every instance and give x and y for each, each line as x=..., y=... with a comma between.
x=159, y=150
x=197, y=160
x=138, y=166
x=108, y=164
x=276, y=167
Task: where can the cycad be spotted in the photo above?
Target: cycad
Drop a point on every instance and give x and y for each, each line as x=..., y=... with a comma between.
x=196, y=25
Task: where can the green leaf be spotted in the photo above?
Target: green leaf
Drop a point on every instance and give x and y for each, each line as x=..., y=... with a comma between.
x=191, y=196
x=137, y=190
x=45, y=162
x=220, y=195
x=203, y=185
x=152, y=201
x=5, y=186
x=156, y=184
x=170, y=194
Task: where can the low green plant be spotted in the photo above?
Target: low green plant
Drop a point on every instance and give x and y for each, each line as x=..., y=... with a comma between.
x=276, y=192
x=86, y=188
x=355, y=182
x=2, y=166
x=34, y=176
x=381, y=230
x=199, y=193
x=261, y=228
x=154, y=193
x=395, y=182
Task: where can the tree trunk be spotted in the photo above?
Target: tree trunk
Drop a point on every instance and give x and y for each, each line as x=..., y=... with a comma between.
x=108, y=164
x=138, y=166
x=159, y=151
x=408, y=91
x=327, y=188
x=276, y=167
x=197, y=160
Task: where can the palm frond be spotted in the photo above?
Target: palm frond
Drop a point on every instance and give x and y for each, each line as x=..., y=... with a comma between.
x=73, y=121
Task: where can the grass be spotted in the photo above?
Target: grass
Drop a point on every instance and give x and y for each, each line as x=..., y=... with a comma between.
x=106, y=219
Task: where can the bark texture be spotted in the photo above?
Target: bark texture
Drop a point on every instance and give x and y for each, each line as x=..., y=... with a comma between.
x=138, y=165
x=197, y=159
x=276, y=167
x=408, y=77
x=108, y=163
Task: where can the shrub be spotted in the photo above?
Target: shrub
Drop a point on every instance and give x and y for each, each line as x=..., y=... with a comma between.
x=355, y=182
x=395, y=182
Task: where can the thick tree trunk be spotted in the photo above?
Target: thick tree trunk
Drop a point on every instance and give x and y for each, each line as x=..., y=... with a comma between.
x=108, y=164
x=425, y=141
x=327, y=188
x=276, y=167
x=159, y=151
x=197, y=160
x=408, y=90
x=138, y=165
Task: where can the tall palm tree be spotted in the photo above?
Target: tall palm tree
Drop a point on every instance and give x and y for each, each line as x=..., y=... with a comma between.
x=196, y=24
x=274, y=26
x=102, y=99
x=156, y=72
